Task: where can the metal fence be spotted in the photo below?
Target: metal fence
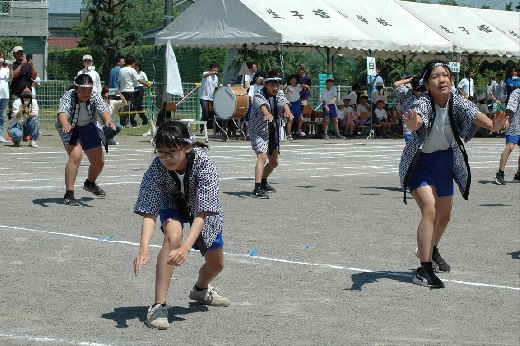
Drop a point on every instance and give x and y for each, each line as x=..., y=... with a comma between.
x=50, y=92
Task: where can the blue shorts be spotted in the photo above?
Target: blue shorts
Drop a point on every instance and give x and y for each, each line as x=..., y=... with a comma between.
x=513, y=139
x=165, y=214
x=434, y=169
x=331, y=113
x=88, y=136
x=296, y=109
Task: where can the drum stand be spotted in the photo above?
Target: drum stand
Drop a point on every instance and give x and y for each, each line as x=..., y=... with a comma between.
x=225, y=124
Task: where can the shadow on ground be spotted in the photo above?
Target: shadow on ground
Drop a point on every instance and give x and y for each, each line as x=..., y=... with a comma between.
x=514, y=255
x=123, y=314
x=360, y=279
x=46, y=202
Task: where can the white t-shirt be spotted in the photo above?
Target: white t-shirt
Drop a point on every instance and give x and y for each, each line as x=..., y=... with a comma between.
x=4, y=83
x=128, y=77
x=379, y=95
x=362, y=108
x=441, y=134
x=208, y=86
x=294, y=95
x=328, y=95
x=114, y=106
x=467, y=86
x=380, y=114
x=140, y=76
x=340, y=112
x=17, y=104
x=483, y=108
x=350, y=114
x=253, y=89
x=95, y=78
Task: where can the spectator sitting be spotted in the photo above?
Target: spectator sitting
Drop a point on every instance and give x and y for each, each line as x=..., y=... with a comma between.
x=349, y=121
x=378, y=94
x=24, y=124
x=381, y=118
x=354, y=96
x=113, y=105
x=363, y=107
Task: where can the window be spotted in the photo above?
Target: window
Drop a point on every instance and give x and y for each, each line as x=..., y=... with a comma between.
x=5, y=8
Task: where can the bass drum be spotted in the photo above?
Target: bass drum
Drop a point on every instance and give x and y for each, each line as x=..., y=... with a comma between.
x=230, y=102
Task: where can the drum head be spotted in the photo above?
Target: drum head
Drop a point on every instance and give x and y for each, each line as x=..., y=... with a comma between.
x=224, y=102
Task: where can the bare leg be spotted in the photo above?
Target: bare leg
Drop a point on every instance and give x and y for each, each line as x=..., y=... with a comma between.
x=425, y=196
x=444, y=205
x=97, y=162
x=211, y=268
x=261, y=158
x=72, y=166
x=163, y=271
x=271, y=165
x=505, y=155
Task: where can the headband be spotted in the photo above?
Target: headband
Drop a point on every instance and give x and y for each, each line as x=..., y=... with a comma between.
x=421, y=82
x=90, y=86
x=184, y=140
x=273, y=79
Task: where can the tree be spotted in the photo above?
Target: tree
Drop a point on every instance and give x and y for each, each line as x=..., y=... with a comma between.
x=112, y=25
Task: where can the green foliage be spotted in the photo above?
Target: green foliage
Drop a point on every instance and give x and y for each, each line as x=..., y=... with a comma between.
x=7, y=44
x=64, y=64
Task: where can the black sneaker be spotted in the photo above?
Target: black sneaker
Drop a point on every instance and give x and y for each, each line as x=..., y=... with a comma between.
x=259, y=193
x=69, y=199
x=268, y=188
x=500, y=178
x=516, y=179
x=443, y=266
x=95, y=190
x=426, y=277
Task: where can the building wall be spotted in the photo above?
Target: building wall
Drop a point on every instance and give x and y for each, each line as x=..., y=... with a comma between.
x=27, y=21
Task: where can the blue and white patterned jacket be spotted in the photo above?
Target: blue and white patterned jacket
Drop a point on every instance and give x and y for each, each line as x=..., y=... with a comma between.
x=464, y=112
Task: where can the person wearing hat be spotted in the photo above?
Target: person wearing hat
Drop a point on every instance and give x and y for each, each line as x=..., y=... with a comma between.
x=378, y=94
x=498, y=91
x=329, y=95
x=22, y=72
x=4, y=95
x=305, y=85
x=381, y=118
x=35, y=83
x=349, y=119
x=139, y=93
x=373, y=80
x=90, y=69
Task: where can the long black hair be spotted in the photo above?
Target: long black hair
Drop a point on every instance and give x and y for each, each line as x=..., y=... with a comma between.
x=174, y=134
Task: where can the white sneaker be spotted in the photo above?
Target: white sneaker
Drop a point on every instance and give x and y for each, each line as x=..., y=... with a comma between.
x=147, y=133
x=3, y=140
x=209, y=296
x=157, y=317
x=33, y=144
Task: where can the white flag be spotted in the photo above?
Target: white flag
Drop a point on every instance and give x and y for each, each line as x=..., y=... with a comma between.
x=173, y=77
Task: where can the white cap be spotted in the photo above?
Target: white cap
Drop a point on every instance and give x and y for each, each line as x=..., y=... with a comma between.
x=339, y=102
x=37, y=80
x=87, y=57
x=17, y=48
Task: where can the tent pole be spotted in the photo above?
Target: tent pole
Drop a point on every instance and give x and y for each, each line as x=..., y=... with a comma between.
x=281, y=61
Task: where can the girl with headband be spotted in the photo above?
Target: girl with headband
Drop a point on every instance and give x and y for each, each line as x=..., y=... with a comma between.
x=79, y=129
x=181, y=186
x=434, y=157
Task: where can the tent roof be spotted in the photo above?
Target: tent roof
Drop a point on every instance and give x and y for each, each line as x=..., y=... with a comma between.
x=506, y=21
x=392, y=26
x=232, y=23
x=468, y=32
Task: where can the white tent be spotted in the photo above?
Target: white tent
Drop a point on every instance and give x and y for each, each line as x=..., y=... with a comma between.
x=506, y=21
x=395, y=30
x=469, y=33
x=264, y=24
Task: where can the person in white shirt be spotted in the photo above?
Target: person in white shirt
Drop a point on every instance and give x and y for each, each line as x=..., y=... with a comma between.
x=349, y=120
x=293, y=96
x=498, y=91
x=139, y=93
x=90, y=69
x=5, y=77
x=466, y=86
x=24, y=124
x=329, y=95
x=128, y=78
x=113, y=105
x=381, y=118
x=35, y=84
x=247, y=79
x=208, y=86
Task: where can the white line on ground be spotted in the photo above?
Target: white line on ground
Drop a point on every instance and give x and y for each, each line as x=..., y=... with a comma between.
x=324, y=265
x=42, y=339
